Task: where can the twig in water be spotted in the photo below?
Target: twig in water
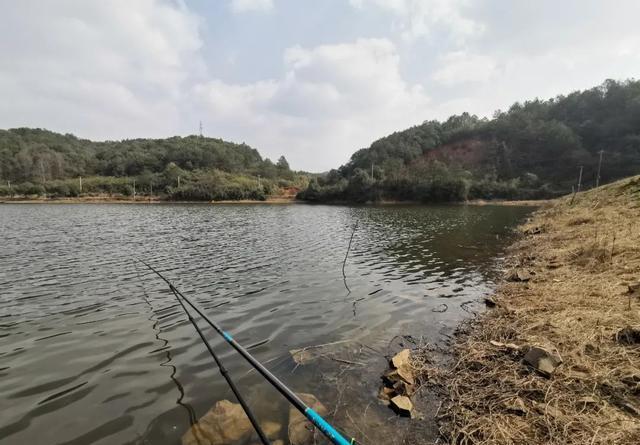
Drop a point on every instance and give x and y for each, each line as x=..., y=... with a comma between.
x=344, y=263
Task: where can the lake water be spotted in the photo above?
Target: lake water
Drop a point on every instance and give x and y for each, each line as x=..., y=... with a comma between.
x=94, y=349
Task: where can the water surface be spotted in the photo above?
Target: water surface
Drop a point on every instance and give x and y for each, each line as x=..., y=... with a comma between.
x=94, y=349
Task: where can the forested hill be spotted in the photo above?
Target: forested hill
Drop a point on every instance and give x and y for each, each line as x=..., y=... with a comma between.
x=41, y=162
x=535, y=149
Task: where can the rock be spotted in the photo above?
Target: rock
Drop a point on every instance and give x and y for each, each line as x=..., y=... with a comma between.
x=628, y=336
x=385, y=394
x=519, y=275
x=300, y=429
x=401, y=358
x=490, y=302
x=533, y=231
x=541, y=360
x=390, y=377
x=402, y=363
x=403, y=388
x=402, y=405
x=271, y=429
x=225, y=423
x=302, y=356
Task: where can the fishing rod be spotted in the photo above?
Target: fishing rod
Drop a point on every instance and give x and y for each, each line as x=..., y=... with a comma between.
x=325, y=427
x=223, y=370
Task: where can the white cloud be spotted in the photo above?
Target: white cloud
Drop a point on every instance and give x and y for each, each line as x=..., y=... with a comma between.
x=134, y=69
x=332, y=100
x=460, y=67
x=239, y=6
x=96, y=68
x=421, y=18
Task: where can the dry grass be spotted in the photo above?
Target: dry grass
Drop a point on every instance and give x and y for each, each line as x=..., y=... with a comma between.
x=583, y=257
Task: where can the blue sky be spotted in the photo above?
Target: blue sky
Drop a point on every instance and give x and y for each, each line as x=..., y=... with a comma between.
x=313, y=80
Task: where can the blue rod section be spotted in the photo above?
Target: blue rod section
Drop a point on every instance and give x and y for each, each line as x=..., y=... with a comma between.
x=329, y=431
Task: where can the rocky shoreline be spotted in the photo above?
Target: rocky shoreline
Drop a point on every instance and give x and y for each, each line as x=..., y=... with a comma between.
x=557, y=357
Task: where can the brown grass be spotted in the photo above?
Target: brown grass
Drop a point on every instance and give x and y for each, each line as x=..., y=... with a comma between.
x=583, y=259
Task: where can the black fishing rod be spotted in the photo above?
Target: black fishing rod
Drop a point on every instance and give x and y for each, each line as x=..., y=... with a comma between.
x=327, y=429
x=223, y=370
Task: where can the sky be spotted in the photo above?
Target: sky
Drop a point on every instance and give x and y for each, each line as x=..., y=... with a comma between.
x=311, y=80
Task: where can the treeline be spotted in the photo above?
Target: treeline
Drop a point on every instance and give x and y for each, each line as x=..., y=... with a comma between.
x=533, y=150
x=41, y=162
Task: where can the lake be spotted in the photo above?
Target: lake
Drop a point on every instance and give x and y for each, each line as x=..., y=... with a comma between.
x=95, y=349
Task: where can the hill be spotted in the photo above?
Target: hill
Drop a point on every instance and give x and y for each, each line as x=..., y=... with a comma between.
x=533, y=150
x=41, y=162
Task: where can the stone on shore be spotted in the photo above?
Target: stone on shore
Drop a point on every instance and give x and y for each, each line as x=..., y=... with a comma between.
x=519, y=275
x=541, y=360
x=402, y=405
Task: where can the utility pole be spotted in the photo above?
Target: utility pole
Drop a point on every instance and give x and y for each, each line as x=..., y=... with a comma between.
x=580, y=179
x=80, y=184
x=599, y=165
x=178, y=181
x=134, y=189
x=200, y=128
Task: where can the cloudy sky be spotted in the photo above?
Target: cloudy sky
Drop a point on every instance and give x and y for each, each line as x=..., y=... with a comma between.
x=313, y=80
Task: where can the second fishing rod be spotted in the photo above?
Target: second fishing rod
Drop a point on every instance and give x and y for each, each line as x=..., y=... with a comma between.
x=325, y=427
x=223, y=370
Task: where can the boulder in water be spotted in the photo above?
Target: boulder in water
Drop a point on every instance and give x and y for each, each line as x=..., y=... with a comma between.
x=224, y=424
x=300, y=429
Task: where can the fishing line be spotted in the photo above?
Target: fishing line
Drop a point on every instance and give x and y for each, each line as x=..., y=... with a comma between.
x=327, y=429
x=167, y=363
x=223, y=370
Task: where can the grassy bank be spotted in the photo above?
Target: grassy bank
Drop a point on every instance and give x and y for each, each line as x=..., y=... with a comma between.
x=572, y=289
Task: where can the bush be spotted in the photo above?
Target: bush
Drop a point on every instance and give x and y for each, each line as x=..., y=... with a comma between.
x=29, y=189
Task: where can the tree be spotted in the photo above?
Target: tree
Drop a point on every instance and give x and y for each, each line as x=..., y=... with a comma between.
x=282, y=163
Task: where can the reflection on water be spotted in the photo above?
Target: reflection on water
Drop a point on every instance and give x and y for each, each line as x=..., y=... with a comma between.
x=94, y=350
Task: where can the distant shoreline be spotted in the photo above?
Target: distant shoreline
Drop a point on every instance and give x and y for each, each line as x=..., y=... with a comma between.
x=142, y=200
x=270, y=200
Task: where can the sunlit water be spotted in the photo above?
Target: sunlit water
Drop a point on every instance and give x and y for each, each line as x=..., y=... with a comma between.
x=94, y=349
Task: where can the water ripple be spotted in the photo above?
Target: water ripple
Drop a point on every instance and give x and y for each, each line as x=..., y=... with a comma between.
x=96, y=349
